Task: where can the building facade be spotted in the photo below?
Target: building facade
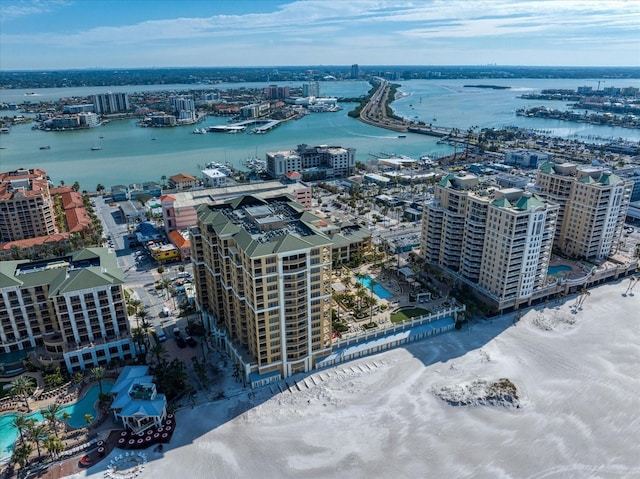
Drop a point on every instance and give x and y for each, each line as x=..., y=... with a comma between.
x=263, y=278
x=593, y=207
x=109, y=103
x=315, y=162
x=68, y=310
x=26, y=205
x=497, y=240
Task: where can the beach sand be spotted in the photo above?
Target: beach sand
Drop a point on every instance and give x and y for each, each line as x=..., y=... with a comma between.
x=577, y=376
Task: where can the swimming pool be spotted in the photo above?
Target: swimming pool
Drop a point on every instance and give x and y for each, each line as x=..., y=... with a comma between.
x=379, y=290
x=77, y=411
x=557, y=269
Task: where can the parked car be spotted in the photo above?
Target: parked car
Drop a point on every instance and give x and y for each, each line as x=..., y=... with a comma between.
x=181, y=343
x=177, y=333
x=191, y=342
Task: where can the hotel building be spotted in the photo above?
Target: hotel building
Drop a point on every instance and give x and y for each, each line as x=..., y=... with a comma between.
x=67, y=310
x=26, y=205
x=593, y=206
x=263, y=278
x=498, y=241
x=315, y=162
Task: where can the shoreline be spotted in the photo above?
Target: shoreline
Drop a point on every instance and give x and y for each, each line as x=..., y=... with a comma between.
x=307, y=423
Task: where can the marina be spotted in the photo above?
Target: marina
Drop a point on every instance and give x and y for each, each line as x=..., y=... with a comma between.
x=143, y=154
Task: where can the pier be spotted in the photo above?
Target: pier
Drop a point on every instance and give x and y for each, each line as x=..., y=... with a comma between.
x=267, y=124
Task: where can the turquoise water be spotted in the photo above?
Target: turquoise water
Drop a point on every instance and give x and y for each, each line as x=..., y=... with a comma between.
x=129, y=155
x=379, y=290
x=557, y=269
x=77, y=411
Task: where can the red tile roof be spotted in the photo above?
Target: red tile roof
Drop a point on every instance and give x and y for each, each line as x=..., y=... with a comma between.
x=71, y=199
x=77, y=219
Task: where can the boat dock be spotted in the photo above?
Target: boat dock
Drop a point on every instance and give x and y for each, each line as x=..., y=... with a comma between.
x=267, y=124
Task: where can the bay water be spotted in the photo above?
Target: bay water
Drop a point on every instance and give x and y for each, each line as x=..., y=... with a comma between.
x=132, y=154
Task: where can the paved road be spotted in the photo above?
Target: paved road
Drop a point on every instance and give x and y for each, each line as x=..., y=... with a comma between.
x=139, y=278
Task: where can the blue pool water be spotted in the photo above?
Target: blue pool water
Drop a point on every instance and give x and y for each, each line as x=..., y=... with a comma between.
x=379, y=290
x=557, y=269
x=77, y=411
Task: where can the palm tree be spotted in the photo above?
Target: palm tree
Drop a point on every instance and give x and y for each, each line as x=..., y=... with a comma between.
x=584, y=292
x=632, y=280
x=38, y=433
x=98, y=374
x=159, y=352
x=50, y=413
x=22, y=423
x=88, y=418
x=54, y=445
x=23, y=386
x=21, y=454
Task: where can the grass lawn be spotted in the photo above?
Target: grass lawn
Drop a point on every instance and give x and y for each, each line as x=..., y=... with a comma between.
x=407, y=313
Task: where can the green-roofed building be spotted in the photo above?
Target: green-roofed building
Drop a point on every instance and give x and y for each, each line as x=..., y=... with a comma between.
x=496, y=240
x=68, y=310
x=263, y=279
x=593, y=206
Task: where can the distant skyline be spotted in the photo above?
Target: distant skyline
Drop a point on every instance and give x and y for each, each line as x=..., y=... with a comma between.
x=63, y=34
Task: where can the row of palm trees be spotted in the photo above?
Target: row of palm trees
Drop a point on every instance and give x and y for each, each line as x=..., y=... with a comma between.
x=39, y=434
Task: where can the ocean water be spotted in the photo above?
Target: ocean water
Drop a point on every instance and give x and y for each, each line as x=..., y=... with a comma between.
x=132, y=154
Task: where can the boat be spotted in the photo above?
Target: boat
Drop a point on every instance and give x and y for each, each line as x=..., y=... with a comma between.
x=200, y=131
x=402, y=136
x=95, y=147
x=4, y=130
x=45, y=147
x=154, y=138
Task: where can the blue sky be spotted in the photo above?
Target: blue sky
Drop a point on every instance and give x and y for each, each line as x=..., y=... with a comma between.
x=53, y=34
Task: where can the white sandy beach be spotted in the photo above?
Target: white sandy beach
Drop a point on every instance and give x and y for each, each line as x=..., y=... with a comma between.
x=578, y=377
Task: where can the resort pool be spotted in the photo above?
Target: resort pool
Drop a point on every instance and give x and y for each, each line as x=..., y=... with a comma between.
x=557, y=269
x=379, y=290
x=77, y=411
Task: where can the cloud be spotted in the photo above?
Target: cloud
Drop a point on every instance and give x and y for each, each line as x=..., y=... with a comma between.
x=10, y=12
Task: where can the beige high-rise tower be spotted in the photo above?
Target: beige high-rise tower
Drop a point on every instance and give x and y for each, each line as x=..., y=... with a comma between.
x=594, y=204
x=263, y=277
x=498, y=241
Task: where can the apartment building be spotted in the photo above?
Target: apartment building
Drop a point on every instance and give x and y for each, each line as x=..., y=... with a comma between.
x=498, y=241
x=68, y=310
x=26, y=205
x=263, y=278
x=593, y=206
x=314, y=162
x=109, y=103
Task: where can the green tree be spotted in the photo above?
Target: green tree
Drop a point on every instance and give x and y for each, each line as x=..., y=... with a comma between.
x=22, y=423
x=51, y=413
x=98, y=374
x=159, y=352
x=21, y=454
x=88, y=418
x=23, y=386
x=54, y=445
x=38, y=433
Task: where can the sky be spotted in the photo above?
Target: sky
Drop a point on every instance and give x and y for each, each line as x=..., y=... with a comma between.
x=61, y=34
